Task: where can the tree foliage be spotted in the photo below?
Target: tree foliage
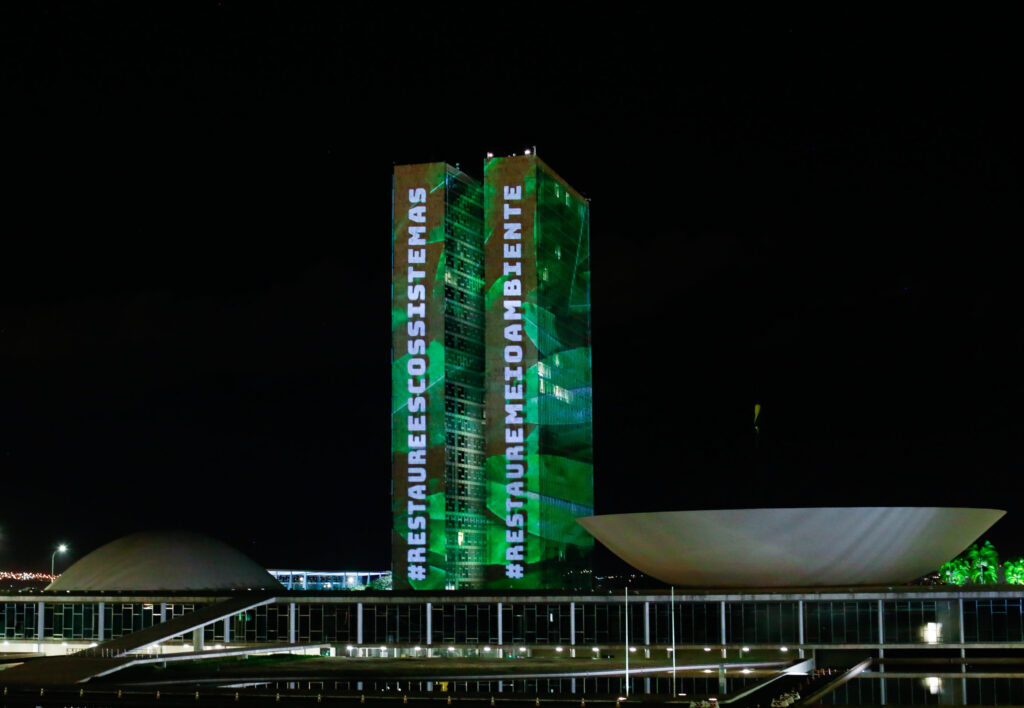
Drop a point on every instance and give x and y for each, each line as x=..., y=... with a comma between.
x=1013, y=571
x=979, y=564
x=955, y=572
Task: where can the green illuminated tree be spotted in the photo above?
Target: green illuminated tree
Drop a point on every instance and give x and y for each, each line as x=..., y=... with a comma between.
x=984, y=563
x=1014, y=571
x=955, y=572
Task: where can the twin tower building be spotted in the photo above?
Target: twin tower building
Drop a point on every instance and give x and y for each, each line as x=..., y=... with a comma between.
x=491, y=427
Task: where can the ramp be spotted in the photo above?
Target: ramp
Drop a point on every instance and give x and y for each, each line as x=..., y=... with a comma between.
x=115, y=654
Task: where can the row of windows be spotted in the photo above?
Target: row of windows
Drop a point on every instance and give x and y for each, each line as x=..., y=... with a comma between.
x=458, y=473
x=462, y=260
x=470, y=314
x=463, y=408
x=463, y=423
x=463, y=211
x=456, y=390
x=825, y=622
x=465, y=249
x=464, y=457
x=463, y=281
x=463, y=329
x=466, y=377
x=469, y=442
x=453, y=294
x=461, y=344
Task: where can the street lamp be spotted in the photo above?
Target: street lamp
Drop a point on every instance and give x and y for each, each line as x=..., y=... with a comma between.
x=60, y=549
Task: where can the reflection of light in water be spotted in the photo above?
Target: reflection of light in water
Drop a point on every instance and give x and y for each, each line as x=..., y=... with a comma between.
x=934, y=684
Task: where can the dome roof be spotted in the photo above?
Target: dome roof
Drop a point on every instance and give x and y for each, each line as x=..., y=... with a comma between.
x=166, y=561
x=761, y=548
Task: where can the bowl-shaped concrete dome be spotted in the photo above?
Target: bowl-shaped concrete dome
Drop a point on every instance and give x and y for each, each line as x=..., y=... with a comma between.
x=170, y=561
x=824, y=546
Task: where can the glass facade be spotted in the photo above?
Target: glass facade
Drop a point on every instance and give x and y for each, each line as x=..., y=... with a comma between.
x=994, y=620
x=841, y=622
x=558, y=620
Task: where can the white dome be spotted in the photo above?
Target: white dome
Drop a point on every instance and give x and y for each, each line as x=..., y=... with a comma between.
x=166, y=561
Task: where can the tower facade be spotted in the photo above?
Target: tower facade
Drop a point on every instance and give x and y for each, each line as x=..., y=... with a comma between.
x=492, y=442
x=538, y=370
x=437, y=421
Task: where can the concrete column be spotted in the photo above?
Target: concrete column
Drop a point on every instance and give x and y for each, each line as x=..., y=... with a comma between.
x=800, y=625
x=40, y=620
x=572, y=624
x=881, y=650
x=499, y=624
x=430, y=622
x=722, y=617
x=291, y=623
x=359, y=623
x=881, y=630
x=163, y=612
x=227, y=630
x=960, y=605
x=198, y=640
x=647, y=622
x=963, y=654
x=102, y=619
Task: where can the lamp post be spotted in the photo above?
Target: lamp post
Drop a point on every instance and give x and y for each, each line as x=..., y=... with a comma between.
x=60, y=549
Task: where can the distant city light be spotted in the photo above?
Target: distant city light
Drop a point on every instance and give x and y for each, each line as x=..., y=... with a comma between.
x=26, y=575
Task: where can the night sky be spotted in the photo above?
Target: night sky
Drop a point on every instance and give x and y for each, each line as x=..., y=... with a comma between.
x=812, y=213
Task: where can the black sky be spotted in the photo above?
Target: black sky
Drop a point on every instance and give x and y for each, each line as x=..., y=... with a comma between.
x=814, y=213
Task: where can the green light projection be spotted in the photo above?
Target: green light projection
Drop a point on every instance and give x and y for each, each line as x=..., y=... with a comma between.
x=437, y=379
x=539, y=438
